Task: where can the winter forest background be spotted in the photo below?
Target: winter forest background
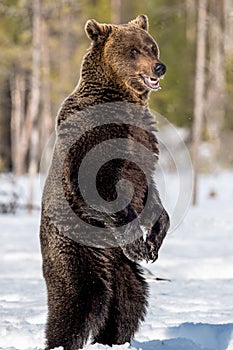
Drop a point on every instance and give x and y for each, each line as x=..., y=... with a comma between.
x=42, y=43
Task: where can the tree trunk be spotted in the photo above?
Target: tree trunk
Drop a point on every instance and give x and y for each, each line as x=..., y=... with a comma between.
x=46, y=119
x=34, y=100
x=65, y=54
x=228, y=26
x=199, y=89
x=116, y=7
x=215, y=106
x=5, y=127
x=17, y=118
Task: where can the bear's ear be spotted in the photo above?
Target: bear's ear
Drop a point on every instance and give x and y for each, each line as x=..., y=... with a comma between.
x=141, y=22
x=97, y=31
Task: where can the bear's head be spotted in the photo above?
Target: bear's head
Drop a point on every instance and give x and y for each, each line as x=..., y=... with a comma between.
x=127, y=54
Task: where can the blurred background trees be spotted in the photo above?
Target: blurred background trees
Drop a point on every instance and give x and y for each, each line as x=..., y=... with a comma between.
x=41, y=46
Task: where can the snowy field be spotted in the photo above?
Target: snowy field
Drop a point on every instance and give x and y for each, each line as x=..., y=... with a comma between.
x=194, y=311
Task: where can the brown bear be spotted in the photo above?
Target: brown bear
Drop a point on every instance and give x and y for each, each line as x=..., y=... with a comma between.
x=104, y=155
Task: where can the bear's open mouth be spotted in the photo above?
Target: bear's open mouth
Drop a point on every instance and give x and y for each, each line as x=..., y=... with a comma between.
x=151, y=83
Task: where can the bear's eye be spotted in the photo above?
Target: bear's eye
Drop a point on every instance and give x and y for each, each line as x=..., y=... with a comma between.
x=154, y=50
x=134, y=52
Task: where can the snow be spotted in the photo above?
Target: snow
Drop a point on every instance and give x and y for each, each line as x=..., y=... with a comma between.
x=193, y=311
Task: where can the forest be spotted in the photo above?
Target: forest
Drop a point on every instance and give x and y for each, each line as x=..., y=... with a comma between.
x=42, y=43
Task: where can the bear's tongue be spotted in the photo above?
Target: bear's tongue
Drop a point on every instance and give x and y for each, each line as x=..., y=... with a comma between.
x=152, y=83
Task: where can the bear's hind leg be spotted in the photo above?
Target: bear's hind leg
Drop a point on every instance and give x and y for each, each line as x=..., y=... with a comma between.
x=64, y=322
x=128, y=306
x=78, y=306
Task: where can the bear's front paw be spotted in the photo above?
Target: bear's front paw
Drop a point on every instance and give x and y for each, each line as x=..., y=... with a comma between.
x=155, y=239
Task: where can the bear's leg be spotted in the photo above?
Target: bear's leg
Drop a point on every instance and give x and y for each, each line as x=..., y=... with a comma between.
x=64, y=319
x=78, y=303
x=128, y=306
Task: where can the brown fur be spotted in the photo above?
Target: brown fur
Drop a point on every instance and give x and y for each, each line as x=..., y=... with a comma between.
x=99, y=289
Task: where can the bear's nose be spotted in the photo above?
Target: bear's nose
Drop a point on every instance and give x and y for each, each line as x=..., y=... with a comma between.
x=160, y=69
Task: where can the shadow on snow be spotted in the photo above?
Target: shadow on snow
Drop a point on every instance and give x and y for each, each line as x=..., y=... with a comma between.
x=191, y=336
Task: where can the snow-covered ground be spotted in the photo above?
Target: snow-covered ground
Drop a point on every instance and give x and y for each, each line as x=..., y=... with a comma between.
x=193, y=311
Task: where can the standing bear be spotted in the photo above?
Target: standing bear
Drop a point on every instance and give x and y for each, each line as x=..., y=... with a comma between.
x=101, y=211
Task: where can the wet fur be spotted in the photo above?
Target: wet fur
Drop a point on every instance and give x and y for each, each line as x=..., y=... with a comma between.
x=99, y=291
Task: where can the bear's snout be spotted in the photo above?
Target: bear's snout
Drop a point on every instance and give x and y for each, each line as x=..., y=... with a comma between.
x=159, y=69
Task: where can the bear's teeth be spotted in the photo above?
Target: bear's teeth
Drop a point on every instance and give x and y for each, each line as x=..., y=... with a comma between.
x=154, y=83
x=151, y=82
